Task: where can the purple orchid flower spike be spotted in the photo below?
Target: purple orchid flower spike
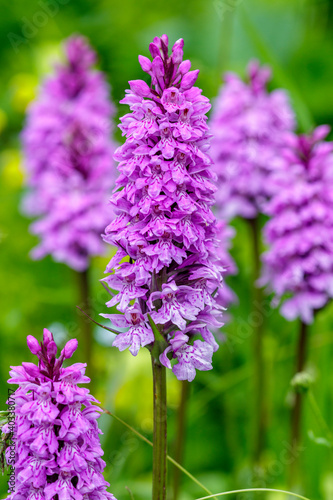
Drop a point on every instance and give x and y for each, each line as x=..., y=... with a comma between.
x=299, y=261
x=167, y=266
x=248, y=125
x=57, y=452
x=68, y=152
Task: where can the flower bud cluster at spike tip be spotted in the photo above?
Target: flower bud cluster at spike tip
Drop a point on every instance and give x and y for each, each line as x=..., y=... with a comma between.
x=299, y=261
x=167, y=259
x=57, y=445
x=248, y=125
x=68, y=159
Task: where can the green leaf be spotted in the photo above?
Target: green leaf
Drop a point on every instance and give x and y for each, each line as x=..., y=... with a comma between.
x=157, y=333
x=160, y=343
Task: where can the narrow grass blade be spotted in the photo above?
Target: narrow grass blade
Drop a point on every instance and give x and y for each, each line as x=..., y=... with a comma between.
x=253, y=490
x=171, y=460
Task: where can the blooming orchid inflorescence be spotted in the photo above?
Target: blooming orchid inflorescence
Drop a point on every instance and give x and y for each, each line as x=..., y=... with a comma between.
x=299, y=261
x=68, y=159
x=248, y=125
x=165, y=231
x=57, y=446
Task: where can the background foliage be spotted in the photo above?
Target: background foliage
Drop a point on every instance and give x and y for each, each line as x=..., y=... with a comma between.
x=295, y=36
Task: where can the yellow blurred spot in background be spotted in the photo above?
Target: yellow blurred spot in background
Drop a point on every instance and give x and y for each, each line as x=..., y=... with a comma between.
x=10, y=161
x=23, y=88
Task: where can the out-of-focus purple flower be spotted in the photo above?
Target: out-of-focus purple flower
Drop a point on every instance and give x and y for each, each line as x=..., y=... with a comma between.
x=248, y=125
x=68, y=159
x=298, y=265
x=57, y=446
x=164, y=224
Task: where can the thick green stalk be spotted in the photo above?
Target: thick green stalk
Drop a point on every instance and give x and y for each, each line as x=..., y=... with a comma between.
x=180, y=434
x=160, y=430
x=86, y=332
x=259, y=376
x=296, y=417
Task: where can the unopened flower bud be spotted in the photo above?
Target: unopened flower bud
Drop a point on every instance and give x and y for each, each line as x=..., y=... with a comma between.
x=184, y=67
x=301, y=382
x=31, y=369
x=145, y=63
x=140, y=88
x=70, y=348
x=158, y=67
x=189, y=79
x=33, y=344
x=51, y=350
x=47, y=337
x=154, y=50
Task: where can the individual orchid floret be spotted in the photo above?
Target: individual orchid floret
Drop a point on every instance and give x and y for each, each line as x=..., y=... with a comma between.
x=57, y=446
x=68, y=152
x=139, y=334
x=298, y=265
x=248, y=125
x=190, y=357
x=167, y=269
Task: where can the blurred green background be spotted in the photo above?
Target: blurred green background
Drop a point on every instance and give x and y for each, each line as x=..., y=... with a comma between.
x=296, y=37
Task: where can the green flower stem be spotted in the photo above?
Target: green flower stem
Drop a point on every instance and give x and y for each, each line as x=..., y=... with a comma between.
x=85, y=324
x=317, y=413
x=160, y=430
x=296, y=416
x=170, y=459
x=181, y=434
x=300, y=364
x=260, y=408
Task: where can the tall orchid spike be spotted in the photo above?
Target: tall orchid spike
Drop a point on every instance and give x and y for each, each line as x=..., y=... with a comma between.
x=68, y=159
x=165, y=231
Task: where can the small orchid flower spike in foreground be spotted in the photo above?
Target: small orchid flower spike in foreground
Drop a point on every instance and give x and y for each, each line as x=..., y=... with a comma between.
x=58, y=452
x=165, y=231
